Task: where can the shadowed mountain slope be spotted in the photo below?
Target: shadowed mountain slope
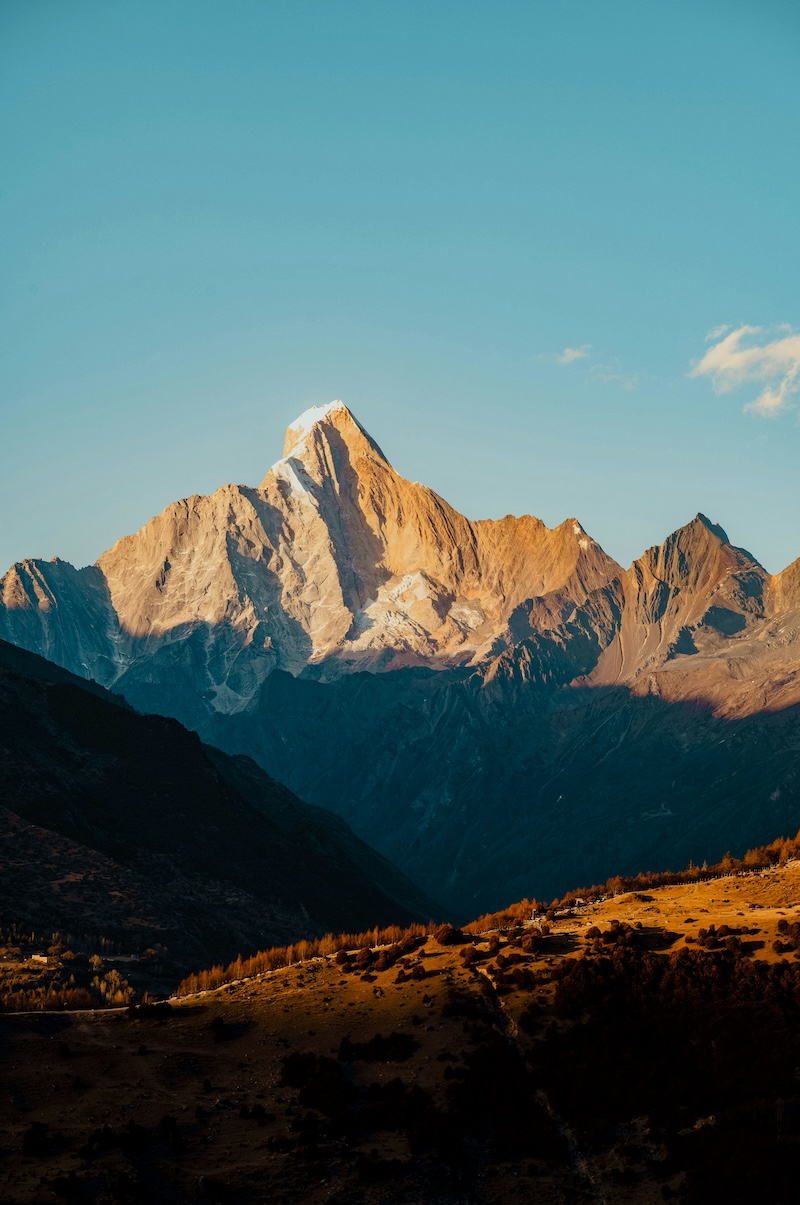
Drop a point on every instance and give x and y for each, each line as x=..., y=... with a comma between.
x=126, y=826
x=486, y=793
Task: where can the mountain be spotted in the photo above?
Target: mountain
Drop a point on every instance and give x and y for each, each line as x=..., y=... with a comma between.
x=335, y=562
x=125, y=826
x=543, y=703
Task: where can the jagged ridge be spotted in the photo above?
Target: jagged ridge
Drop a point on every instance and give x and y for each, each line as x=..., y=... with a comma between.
x=337, y=562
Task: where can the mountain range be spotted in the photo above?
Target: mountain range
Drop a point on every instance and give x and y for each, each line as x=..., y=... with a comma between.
x=492, y=704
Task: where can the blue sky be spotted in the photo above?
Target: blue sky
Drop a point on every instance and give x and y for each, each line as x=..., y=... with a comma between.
x=215, y=215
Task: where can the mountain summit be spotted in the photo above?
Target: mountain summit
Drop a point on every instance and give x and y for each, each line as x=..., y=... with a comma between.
x=320, y=422
x=408, y=579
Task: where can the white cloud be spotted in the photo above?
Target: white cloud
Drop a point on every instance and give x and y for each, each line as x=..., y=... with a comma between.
x=570, y=354
x=746, y=355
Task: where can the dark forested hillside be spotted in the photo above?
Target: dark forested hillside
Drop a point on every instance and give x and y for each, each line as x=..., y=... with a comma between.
x=485, y=793
x=126, y=826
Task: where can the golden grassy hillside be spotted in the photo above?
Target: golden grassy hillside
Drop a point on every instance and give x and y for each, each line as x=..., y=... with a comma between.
x=614, y=1059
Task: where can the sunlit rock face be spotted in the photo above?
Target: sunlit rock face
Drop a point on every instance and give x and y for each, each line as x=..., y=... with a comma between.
x=335, y=561
x=695, y=620
x=530, y=674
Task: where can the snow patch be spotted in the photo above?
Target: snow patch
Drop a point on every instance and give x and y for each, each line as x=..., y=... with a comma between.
x=415, y=580
x=292, y=472
x=468, y=616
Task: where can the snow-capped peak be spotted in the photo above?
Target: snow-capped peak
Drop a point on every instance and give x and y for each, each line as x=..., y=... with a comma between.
x=299, y=429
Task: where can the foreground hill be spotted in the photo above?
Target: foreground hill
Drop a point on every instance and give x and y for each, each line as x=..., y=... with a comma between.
x=126, y=827
x=545, y=708
x=645, y=1049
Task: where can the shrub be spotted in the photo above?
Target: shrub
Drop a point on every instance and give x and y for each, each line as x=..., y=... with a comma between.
x=447, y=935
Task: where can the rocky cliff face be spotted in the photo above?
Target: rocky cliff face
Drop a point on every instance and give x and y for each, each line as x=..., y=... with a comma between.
x=694, y=614
x=334, y=562
x=235, y=611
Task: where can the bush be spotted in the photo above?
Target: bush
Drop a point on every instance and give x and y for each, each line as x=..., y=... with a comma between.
x=447, y=935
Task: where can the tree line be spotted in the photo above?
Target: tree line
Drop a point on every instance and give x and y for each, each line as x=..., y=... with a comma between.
x=776, y=853
x=300, y=951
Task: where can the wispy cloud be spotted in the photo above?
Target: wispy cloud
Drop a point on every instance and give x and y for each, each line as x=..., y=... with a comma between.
x=747, y=354
x=570, y=354
x=610, y=374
